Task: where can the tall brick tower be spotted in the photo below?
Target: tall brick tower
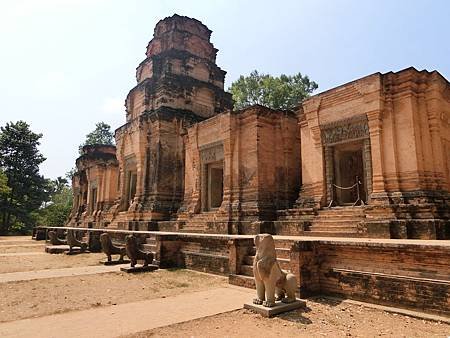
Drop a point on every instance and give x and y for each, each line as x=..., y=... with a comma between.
x=179, y=72
x=178, y=84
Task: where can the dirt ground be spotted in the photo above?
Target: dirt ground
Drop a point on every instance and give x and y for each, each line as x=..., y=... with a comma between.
x=322, y=318
x=47, y=261
x=15, y=248
x=19, y=300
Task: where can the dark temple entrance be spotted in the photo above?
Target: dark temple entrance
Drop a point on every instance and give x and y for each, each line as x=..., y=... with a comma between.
x=348, y=170
x=348, y=160
x=211, y=176
x=214, y=185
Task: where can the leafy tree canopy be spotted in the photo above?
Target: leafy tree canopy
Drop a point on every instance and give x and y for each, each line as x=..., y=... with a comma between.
x=4, y=188
x=56, y=212
x=102, y=134
x=283, y=92
x=19, y=161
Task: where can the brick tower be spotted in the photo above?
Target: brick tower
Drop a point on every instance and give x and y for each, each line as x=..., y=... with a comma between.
x=178, y=84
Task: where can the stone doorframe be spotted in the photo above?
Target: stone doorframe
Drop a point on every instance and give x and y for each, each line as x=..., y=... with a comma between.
x=336, y=133
x=130, y=178
x=211, y=153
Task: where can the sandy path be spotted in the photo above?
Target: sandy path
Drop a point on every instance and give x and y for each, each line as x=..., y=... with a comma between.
x=322, y=318
x=36, y=298
x=30, y=261
x=57, y=273
x=128, y=318
x=19, y=254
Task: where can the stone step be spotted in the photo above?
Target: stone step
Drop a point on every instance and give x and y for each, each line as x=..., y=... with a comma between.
x=332, y=231
x=332, y=234
x=148, y=247
x=341, y=213
x=167, y=226
x=248, y=260
x=247, y=270
x=338, y=218
x=241, y=280
x=332, y=228
x=299, y=211
x=293, y=218
x=283, y=244
x=284, y=262
x=192, y=230
x=283, y=253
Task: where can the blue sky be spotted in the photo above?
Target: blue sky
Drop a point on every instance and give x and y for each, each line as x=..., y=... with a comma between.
x=67, y=64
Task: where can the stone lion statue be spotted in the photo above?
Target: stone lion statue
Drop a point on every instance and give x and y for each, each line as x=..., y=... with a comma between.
x=134, y=253
x=272, y=283
x=72, y=241
x=53, y=238
x=110, y=249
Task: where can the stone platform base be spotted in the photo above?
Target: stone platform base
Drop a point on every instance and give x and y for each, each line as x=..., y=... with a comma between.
x=63, y=249
x=148, y=268
x=123, y=261
x=75, y=251
x=56, y=249
x=279, y=307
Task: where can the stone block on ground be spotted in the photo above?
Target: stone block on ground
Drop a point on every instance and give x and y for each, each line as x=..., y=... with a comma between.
x=279, y=307
x=76, y=251
x=123, y=261
x=141, y=268
x=56, y=249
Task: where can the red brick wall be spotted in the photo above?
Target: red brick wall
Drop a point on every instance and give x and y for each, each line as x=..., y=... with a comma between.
x=404, y=275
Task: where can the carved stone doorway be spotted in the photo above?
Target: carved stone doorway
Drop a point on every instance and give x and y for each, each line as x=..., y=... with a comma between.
x=93, y=201
x=214, y=185
x=212, y=164
x=349, y=170
x=131, y=187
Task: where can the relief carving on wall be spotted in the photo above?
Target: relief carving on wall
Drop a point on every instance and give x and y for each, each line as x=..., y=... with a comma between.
x=211, y=153
x=345, y=130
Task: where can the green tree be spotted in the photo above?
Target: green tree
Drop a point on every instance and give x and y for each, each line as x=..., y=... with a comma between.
x=19, y=161
x=102, y=134
x=56, y=212
x=283, y=92
x=4, y=188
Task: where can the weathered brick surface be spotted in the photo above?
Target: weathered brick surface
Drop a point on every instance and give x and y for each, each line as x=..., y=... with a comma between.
x=406, y=275
x=194, y=252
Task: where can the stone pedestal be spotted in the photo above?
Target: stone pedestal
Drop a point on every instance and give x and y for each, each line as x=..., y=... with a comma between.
x=279, y=307
x=56, y=249
x=123, y=261
x=148, y=268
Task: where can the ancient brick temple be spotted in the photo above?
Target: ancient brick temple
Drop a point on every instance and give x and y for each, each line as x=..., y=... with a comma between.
x=370, y=158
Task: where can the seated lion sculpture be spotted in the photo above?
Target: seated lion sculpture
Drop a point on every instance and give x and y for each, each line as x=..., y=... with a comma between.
x=53, y=238
x=110, y=249
x=72, y=241
x=134, y=253
x=272, y=283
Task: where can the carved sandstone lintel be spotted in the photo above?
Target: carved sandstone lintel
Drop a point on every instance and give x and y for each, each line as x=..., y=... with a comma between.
x=345, y=130
x=212, y=153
